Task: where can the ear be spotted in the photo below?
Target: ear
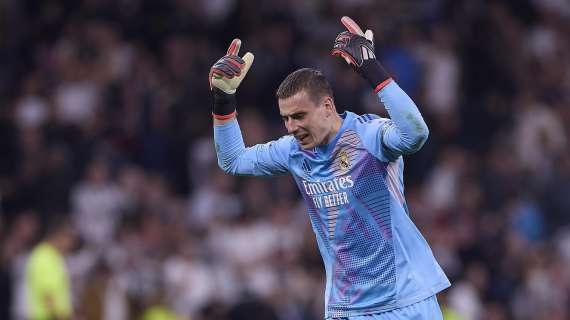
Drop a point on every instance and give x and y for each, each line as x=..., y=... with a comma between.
x=328, y=103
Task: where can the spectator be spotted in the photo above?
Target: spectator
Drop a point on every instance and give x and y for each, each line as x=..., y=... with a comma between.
x=48, y=282
x=105, y=113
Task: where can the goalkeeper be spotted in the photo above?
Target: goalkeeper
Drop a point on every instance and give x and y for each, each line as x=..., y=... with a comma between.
x=349, y=170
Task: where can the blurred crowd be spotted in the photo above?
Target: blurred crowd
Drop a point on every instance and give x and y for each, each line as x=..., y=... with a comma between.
x=105, y=118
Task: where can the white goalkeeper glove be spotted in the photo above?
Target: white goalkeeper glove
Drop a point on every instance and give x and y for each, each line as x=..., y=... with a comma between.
x=228, y=72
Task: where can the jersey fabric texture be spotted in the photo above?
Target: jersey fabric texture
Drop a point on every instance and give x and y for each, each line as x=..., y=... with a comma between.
x=375, y=258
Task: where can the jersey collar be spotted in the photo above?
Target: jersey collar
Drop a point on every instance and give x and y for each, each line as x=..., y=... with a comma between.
x=326, y=148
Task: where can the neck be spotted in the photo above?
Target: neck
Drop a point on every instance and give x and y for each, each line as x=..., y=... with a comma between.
x=337, y=123
x=54, y=241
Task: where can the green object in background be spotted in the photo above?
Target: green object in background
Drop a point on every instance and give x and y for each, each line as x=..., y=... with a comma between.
x=47, y=276
x=159, y=313
x=450, y=314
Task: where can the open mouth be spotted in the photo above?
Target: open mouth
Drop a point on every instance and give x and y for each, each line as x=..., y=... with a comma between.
x=302, y=137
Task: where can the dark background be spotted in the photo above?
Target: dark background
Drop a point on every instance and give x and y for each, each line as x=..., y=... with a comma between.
x=105, y=117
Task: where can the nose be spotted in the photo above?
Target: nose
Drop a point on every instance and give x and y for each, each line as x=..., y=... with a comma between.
x=291, y=126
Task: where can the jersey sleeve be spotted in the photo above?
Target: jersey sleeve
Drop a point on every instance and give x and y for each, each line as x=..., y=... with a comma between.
x=371, y=133
x=264, y=159
x=403, y=134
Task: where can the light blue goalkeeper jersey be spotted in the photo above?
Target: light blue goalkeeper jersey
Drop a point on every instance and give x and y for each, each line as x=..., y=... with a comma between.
x=375, y=258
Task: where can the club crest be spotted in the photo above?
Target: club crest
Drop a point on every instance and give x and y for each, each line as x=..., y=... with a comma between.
x=344, y=160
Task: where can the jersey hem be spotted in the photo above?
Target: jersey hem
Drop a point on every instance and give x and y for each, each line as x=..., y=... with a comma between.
x=400, y=304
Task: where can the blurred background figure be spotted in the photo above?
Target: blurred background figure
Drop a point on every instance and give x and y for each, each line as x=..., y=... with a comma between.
x=48, y=281
x=105, y=113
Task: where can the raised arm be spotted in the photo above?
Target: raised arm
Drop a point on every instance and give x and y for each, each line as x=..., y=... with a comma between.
x=407, y=130
x=233, y=157
x=265, y=159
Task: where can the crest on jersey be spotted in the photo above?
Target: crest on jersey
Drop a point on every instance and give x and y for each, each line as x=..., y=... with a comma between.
x=344, y=160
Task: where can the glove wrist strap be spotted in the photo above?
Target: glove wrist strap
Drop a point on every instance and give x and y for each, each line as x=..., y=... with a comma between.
x=375, y=74
x=224, y=103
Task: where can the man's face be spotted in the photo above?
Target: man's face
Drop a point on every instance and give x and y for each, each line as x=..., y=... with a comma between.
x=309, y=122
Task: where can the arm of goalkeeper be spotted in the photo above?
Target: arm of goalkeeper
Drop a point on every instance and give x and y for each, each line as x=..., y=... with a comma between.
x=406, y=131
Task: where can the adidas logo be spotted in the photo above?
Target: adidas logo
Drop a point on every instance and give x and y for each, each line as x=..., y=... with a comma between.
x=306, y=167
x=367, y=54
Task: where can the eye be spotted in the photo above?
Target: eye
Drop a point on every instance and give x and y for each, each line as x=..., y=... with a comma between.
x=298, y=116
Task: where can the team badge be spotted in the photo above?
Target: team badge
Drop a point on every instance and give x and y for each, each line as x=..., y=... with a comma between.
x=344, y=160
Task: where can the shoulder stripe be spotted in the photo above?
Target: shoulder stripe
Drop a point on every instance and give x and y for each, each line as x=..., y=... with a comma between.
x=366, y=118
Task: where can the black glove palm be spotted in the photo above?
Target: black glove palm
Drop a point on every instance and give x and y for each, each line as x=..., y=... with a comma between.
x=357, y=49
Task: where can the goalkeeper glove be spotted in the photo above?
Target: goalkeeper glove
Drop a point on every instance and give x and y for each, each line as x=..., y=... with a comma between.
x=357, y=49
x=225, y=76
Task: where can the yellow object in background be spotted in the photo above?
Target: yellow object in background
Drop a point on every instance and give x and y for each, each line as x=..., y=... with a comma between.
x=47, y=284
x=159, y=313
x=450, y=314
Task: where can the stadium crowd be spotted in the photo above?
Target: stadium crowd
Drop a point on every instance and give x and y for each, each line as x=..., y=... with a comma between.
x=105, y=118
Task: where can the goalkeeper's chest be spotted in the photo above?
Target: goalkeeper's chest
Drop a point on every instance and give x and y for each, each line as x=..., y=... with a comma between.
x=350, y=174
x=314, y=167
